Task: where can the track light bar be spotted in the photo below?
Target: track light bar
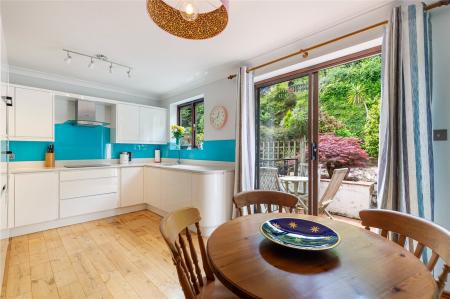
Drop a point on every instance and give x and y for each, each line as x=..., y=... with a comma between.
x=99, y=57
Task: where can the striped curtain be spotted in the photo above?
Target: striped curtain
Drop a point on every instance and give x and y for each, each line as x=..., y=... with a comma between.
x=406, y=181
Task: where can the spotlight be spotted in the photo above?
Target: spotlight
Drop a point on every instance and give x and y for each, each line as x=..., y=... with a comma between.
x=91, y=64
x=68, y=59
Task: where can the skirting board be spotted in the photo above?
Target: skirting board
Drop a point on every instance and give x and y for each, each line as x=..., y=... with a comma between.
x=28, y=229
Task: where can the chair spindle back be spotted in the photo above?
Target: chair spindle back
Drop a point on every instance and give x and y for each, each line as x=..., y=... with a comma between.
x=262, y=199
x=399, y=227
x=175, y=230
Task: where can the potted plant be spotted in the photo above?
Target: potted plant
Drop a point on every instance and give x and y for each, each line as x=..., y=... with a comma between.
x=177, y=133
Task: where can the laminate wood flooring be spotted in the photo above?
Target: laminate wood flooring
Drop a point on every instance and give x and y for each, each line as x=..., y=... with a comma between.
x=118, y=257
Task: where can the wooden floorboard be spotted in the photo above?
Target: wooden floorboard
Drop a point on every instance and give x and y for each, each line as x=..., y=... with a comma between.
x=117, y=257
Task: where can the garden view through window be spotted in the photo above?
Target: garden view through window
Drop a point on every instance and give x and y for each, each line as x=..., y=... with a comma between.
x=348, y=104
x=191, y=116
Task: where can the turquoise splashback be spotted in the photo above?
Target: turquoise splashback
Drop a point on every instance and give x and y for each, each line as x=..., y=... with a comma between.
x=213, y=150
x=28, y=150
x=81, y=143
x=138, y=150
x=87, y=143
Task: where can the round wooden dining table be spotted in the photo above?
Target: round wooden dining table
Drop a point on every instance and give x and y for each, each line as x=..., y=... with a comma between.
x=362, y=265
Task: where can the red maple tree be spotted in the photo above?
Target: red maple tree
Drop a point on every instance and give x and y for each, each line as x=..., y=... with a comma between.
x=341, y=152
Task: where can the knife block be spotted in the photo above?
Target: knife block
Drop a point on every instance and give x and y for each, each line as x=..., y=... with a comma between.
x=49, y=160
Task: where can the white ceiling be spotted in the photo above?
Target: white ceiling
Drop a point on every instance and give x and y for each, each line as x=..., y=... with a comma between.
x=36, y=31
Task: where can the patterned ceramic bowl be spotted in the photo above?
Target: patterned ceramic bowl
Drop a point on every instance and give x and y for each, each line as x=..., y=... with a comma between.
x=300, y=234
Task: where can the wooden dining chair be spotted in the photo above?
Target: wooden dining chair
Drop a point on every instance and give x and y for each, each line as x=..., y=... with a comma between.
x=427, y=235
x=175, y=230
x=270, y=200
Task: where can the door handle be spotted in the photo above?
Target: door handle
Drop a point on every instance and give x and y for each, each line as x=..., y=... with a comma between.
x=313, y=151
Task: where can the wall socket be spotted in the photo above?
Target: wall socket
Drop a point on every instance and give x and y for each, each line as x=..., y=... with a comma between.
x=440, y=135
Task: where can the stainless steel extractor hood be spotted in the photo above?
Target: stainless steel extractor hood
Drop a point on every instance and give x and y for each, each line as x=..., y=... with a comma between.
x=85, y=115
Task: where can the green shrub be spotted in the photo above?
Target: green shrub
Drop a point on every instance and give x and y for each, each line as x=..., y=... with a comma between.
x=344, y=132
x=371, y=129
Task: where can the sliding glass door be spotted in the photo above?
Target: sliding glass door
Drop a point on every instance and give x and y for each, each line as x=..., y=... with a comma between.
x=284, y=135
x=320, y=110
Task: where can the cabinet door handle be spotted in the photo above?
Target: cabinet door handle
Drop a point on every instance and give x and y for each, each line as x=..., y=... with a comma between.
x=8, y=100
x=9, y=154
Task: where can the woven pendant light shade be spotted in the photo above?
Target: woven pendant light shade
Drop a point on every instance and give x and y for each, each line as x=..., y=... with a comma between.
x=207, y=25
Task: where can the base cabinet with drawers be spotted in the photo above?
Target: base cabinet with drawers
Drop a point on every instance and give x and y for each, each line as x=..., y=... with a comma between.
x=88, y=191
x=51, y=197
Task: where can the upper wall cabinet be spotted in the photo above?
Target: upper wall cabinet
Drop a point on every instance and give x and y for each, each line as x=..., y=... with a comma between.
x=126, y=124
x=138, y=124
x=32, y=115
x=153, y=125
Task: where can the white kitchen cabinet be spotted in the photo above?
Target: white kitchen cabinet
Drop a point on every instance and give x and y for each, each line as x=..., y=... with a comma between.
x=139, y=124
x=126, y=124
x=152, y=187
x=131, y=186
x=32, y=115
x=3, y=110
x=212, y=195
x=153, y=125
x=35, y=198
x=88, y=204
x=88, y=187
x=175, y=189
x=167, y=190
x=88, y=190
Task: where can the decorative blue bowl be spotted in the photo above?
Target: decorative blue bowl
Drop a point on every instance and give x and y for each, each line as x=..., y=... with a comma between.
x=300, y=234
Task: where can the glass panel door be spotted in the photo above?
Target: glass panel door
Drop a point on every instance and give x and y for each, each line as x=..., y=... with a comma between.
x=349, y=105
x=283, y=129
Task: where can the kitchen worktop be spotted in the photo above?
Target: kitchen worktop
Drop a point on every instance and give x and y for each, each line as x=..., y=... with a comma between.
x=198, y=168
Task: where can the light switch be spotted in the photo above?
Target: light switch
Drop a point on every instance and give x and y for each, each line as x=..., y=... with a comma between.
x=440, y=135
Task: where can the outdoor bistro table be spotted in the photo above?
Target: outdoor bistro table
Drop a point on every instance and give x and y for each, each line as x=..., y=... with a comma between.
x=295, y=180
x=362, y=265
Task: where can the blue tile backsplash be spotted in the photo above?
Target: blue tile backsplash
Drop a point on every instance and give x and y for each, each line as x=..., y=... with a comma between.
x=92, y=143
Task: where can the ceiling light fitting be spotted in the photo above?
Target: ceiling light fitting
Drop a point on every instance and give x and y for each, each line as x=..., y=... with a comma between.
x=99, y=57
x=191, y=19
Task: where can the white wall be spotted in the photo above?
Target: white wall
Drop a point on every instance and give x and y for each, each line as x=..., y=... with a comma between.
x=78, y=87
x=441, y=111
x=440, y=19
x=222, y=92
